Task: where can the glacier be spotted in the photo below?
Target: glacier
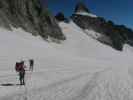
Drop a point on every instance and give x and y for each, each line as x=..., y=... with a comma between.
x=79, y=68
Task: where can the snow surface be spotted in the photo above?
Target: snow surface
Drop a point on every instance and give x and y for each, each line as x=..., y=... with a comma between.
x=86, y=14
x=80, y=68
x=92, y=34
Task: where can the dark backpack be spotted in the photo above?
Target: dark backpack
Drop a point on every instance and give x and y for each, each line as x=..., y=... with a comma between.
x=31, y=62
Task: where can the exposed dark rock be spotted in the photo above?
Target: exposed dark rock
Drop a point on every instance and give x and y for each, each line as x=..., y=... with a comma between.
x=118, y=35
x=30, y=16
x=61, y=17
x=80, y=7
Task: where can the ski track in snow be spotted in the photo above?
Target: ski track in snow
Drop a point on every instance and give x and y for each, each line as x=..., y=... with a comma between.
x=27, y=95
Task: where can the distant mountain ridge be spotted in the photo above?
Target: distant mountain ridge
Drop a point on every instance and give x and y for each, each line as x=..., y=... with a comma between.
x=30, y=16
x=117, y=35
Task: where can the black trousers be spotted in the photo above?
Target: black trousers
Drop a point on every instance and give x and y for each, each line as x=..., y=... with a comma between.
x=22, y=77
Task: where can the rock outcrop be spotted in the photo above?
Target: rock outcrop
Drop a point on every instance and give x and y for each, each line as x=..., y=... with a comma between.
x=60, y=16
x=117, y=35
x=80, y=7
x=30, y=16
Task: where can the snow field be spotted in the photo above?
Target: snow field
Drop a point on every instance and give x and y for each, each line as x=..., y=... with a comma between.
x=80, y=68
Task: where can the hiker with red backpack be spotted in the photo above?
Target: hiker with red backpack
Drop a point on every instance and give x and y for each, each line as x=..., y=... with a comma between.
x=20, y=68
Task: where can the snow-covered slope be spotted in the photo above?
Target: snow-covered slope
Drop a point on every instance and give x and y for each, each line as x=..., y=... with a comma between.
x=80, y=68
x=80, y=44
x=86, y=14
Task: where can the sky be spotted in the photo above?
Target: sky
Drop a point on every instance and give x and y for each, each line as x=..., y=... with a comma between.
x=119, y=11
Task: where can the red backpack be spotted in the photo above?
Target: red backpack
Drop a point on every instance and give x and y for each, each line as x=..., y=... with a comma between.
x=18, y=66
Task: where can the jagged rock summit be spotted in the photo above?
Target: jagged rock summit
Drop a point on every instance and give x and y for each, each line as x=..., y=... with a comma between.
x=81, y=7
x=30, y=16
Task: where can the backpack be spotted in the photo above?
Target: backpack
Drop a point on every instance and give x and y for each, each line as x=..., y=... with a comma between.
x=18, y=67
x=31, y=62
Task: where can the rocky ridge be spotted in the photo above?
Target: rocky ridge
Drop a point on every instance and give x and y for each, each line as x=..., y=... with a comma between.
x=30, y=16
x=112, y=34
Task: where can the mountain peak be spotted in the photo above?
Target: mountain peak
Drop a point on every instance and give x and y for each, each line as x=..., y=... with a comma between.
x=81, y=7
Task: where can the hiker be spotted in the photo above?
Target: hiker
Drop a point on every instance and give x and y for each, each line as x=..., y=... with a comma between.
x=31, y=63
x=20, y=68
